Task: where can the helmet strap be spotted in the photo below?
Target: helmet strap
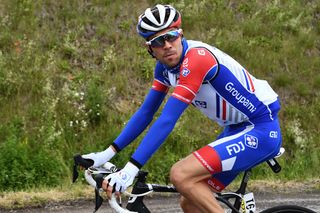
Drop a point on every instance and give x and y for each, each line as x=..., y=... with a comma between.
x=151, y=52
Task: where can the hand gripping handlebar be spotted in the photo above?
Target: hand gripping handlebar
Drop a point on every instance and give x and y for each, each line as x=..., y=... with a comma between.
x=95, y=177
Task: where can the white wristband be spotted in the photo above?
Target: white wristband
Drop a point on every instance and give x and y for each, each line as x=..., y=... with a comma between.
x=131, y=169
x=108, y=154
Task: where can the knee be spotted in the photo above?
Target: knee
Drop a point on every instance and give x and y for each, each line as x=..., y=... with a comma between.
x=177, y=175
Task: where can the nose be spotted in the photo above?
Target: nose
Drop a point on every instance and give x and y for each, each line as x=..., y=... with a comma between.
x=167, y=45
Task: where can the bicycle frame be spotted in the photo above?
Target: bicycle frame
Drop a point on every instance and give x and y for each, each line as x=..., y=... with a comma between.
x=95, y=177
x=136, y=204
x=140, y=187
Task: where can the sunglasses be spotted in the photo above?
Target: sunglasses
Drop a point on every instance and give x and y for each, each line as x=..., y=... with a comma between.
x=170, y=36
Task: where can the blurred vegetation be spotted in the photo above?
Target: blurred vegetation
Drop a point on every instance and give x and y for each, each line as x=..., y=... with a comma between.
x=72, y=72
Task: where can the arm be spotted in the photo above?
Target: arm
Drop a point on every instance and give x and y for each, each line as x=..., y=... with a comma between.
x=159, y=131
x=135, y=126
x=140, y=120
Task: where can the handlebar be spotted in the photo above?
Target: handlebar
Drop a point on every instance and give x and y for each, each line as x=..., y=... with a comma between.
x=95, y=177
x=112, y=202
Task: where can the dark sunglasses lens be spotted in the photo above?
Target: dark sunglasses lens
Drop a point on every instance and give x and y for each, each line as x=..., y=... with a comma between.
x=160, y=41
x=170, y=37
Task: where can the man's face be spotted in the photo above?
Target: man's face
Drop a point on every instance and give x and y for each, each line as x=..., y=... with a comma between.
x=170, y=53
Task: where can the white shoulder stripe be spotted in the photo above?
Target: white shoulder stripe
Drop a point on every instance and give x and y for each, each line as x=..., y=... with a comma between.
x=231, y=137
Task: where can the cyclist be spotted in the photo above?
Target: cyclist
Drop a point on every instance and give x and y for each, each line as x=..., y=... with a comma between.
x=218, y=86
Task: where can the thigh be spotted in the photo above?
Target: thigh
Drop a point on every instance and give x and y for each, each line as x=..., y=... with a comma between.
x=189, y=169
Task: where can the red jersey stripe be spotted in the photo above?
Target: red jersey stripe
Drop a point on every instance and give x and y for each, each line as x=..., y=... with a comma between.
x=159, y=86
x=183, y=94
x=224, y=109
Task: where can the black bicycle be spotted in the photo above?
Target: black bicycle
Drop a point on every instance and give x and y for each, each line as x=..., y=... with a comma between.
x=237, y=202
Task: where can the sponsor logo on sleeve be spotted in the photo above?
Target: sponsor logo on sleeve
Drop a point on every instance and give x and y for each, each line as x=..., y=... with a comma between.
x=185, y=72
x=201, y=104
x=185, y=62
x=201, y=52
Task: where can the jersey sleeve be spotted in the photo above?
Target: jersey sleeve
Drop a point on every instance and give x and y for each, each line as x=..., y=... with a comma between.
x=159, y=86
x=159, y=82
x=159, y=131
x=140, y=120
x=199, y=65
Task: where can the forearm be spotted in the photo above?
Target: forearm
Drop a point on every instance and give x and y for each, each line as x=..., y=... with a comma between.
x=159, y=131
x=140, y=120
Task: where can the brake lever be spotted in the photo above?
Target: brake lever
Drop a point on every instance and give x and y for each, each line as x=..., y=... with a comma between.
x=75, y=173
x=99, y=200
x=79, y=161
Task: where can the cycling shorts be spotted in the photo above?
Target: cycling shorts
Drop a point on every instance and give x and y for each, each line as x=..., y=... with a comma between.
x=238, y=148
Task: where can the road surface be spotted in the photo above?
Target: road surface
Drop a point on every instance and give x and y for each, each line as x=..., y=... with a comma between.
x=169, y=204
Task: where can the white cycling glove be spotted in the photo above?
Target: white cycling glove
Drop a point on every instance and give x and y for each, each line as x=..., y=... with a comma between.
x=124, y=178
x=100, y=158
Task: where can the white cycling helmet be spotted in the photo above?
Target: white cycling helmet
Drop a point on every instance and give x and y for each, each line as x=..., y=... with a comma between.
x=156, y=19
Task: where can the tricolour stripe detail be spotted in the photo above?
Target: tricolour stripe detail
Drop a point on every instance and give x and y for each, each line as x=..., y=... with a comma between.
x=218, y=105
x=246, y=79
x=224, y=109
x=249, y=82
x=221, y=107
x=230, y=112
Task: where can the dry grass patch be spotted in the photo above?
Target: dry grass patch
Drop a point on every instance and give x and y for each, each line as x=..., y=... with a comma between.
x=40, y=197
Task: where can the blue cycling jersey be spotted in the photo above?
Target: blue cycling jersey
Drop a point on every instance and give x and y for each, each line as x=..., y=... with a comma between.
x=210, y=80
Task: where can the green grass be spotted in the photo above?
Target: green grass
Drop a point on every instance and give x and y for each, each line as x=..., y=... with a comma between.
x=72, y=72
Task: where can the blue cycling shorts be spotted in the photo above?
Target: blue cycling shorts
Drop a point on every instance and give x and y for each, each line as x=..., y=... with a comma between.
x=238, y=148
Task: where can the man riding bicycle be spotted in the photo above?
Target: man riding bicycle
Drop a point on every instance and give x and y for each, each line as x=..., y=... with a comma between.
x=219, y=87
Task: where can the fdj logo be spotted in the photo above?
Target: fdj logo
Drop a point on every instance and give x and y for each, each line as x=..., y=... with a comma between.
x=235, y=148
x=201, y=104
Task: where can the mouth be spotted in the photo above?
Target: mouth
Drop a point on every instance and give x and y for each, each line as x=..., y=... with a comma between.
x=169, y=54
